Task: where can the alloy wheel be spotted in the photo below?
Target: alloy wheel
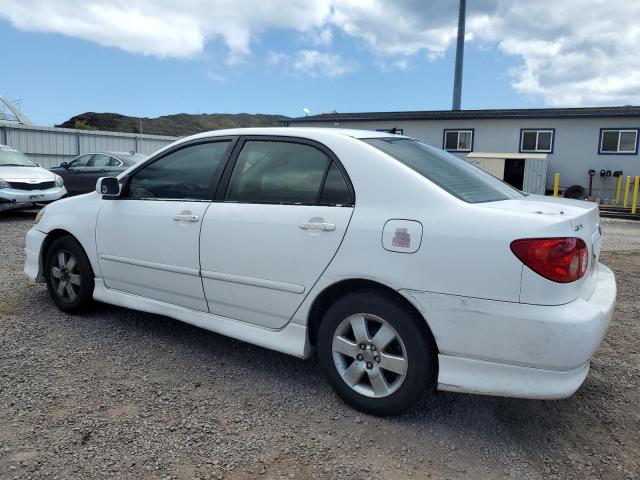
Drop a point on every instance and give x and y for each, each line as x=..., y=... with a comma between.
x=369, y=355
x=65, y=276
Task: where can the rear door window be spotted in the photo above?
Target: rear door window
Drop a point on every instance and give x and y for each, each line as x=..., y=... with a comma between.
x=335, y=190
x=449, y=172
x=277, y=172
x=100, y=160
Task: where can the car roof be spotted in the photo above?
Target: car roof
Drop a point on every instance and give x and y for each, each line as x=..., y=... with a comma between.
x=305, y=132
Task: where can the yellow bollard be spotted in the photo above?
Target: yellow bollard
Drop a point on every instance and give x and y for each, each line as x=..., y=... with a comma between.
x=618, y=188
x=556, y=184
x=634, y=204
x=626, y=192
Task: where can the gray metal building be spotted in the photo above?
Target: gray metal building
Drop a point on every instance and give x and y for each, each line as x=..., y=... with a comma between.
x=575, y=140
x=50, y=146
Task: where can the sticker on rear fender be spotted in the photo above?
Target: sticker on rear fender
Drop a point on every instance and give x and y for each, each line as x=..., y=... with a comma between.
x=402, y=236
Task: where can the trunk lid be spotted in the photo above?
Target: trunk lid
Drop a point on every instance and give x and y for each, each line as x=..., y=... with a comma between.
x=575, y=218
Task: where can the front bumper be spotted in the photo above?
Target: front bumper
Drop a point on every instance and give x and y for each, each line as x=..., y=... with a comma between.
x=515, y=349
x=11, y=198
x=33, y=261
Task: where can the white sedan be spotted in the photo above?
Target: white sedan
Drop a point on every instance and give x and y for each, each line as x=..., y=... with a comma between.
x=24, y=184
x=403, y=266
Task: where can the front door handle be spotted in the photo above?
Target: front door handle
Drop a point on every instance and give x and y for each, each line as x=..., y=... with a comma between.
x=327, y=227
x=186, y=218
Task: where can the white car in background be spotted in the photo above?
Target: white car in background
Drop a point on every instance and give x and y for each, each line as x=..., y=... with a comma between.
x=403, y=266
x=23, y=184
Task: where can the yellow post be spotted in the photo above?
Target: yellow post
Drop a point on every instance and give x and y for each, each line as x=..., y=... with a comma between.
x=636, y=185
x=626, y=192
x=556, y=184
x=618, y=188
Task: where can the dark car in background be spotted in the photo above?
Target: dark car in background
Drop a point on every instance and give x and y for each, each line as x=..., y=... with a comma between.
x=81, y=174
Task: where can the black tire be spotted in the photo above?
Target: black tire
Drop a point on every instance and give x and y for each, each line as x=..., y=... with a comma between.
x=416, y=345
x=80, y=270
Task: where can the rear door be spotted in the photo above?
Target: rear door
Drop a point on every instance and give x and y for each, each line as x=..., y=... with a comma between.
x=274, y=229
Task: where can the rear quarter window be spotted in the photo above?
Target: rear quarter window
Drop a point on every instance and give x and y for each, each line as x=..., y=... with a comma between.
x=451, y=173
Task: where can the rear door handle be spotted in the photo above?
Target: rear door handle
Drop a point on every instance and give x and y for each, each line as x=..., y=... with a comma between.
x=186, y=218
x=327, y=227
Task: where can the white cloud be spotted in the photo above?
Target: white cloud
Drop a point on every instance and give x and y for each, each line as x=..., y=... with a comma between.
x=319, y=37
x=165, y=28
x=320, y=64
x=569, y=52
x=216, y=77
x=310, y=63
x=276, y=58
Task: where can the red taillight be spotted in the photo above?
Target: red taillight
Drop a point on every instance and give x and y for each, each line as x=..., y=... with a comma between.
x=561, y=260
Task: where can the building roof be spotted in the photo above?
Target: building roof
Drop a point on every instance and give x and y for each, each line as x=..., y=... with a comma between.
x=511, y=113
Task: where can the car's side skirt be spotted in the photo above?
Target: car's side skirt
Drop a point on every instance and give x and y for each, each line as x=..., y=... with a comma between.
x=292, y=339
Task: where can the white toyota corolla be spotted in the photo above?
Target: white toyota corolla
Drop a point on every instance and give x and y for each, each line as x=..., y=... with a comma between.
x=403, y=266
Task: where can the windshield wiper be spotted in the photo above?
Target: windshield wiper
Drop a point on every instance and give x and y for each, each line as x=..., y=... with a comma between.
x=14, y=165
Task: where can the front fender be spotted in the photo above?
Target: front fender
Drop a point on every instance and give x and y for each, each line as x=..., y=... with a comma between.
x=75, y=216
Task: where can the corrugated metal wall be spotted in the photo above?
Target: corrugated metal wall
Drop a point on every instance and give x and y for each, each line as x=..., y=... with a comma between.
x=50, y=146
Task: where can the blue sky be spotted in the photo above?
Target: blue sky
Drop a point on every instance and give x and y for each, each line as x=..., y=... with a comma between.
x=347, y=60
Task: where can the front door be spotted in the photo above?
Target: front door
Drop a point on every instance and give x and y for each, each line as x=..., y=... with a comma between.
x=148, y=240
x=269, y=238
x=76, y=175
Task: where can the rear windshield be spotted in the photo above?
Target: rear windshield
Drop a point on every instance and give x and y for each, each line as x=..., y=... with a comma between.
x=453, y=174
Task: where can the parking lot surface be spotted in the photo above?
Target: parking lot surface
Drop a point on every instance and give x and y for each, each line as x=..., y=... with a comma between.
x=118, y=393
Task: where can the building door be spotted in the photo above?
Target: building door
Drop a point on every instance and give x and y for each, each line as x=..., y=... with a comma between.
x=514, y=172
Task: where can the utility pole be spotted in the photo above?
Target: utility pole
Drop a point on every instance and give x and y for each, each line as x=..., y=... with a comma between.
x=457, y=82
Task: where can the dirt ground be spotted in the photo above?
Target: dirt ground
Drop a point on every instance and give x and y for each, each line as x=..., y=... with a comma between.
x=121, y=394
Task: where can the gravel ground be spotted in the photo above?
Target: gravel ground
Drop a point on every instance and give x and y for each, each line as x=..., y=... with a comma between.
x=117, y=393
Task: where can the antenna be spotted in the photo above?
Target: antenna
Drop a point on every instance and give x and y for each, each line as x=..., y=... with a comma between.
x=306, y=111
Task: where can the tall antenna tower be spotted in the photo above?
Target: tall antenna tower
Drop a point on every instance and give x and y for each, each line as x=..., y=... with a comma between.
x=17, y=113
x=457, y=82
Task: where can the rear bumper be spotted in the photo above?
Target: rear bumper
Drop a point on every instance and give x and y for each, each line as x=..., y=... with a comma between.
x=514, y=349
x=12, y=198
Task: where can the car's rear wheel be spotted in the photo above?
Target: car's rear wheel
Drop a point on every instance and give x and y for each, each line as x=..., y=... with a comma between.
x=69, y=275
x=377, y=354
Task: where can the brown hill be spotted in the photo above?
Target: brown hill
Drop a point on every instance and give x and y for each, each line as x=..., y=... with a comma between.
x=177, y=125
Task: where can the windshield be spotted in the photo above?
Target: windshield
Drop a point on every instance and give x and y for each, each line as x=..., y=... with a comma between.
x=12, y=158
x=453, y=174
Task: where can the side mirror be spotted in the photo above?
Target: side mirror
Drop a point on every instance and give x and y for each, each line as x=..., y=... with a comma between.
x=108, y=187
x=64, y=165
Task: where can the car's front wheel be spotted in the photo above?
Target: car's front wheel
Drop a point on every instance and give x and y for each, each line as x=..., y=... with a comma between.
x=69, y=275
x=377, y=354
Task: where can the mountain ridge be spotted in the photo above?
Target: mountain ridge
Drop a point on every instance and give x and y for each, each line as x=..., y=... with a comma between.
x=175, y=125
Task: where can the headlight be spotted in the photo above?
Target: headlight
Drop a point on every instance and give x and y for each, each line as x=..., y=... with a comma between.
x=39, y=215
x=4, y=184
x=59, y=181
